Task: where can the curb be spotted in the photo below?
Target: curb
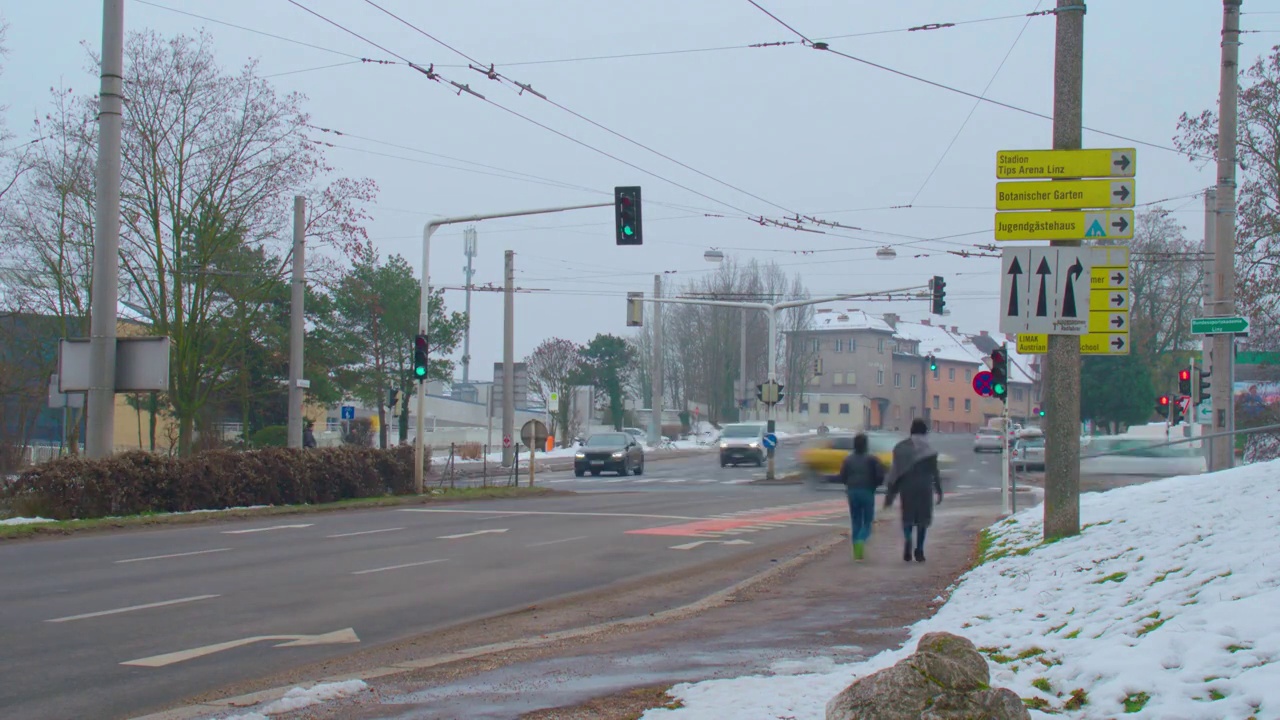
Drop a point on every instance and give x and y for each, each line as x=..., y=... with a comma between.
x=715, y=599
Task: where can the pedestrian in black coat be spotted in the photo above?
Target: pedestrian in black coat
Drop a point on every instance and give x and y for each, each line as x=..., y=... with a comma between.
x=914, y=476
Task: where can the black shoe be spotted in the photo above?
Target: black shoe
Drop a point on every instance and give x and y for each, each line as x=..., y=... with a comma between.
x=906, y=552
x=919, y=555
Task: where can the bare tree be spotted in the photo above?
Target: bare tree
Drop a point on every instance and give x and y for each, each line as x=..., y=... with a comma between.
x=554, y=367
x=1165, y=276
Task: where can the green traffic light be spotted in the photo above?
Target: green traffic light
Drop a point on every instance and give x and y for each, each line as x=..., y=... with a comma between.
x=998, y=389
x=628, y=230
x=420, y=371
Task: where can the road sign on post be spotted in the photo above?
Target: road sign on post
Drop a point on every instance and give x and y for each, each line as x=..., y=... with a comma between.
x=1219, y=326
x=1064, y=194
x=1045, y=290
x=1065, y=225
x=982, y=383
x=1042, y=164
x=348, y=412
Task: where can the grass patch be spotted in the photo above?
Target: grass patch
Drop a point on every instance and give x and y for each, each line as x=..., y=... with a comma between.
x=1216, y=695
x=1237, y=648
x=433, y=495
x=986, y=541
x=1042, y=684
x=1073, y=634
x=1157, y=621
x=1079, y=698
x=1036, y=703
x=1097, y=524
x=1113, y=577
x=996, y=656
x=1161, y=577
x=1135, y=702
x=1056, y=629
x=1030, y=653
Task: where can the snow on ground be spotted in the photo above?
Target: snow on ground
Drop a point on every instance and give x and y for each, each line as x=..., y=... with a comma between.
x=1165, y=606
x=25, y=521
x=300, y=697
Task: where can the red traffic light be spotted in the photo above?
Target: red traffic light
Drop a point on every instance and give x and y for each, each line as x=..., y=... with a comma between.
x=420, y=343
x=1164, y=400
x=1184, y=374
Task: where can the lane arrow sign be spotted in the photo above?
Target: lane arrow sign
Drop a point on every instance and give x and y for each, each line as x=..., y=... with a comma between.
x=338, y=637
x=1042, y=303
x=1122, y=163
x=1015, y=269
x=1069, y=297
x=1120, y=224
x=1118, y=343
x=1122, y=193
x=692, y=545
x=1117, y=300
x=472, y=534
x=1117, y=278
x=1118, y=321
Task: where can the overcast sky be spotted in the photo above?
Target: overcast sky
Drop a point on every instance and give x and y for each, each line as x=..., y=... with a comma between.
x=806, y=131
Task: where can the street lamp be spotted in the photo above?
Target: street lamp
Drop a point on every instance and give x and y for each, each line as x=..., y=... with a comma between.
x=886, y=253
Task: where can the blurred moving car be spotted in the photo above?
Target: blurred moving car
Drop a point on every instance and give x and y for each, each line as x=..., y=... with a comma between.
x=1028, y=453
x=821, y=458
x=619, y=452
x=742, y=442
x=988, y=440
x=1139, y=456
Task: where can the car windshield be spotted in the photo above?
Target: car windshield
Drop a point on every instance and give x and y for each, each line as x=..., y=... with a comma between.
x=740, y=431
x=607, y=440
x=1032, y=443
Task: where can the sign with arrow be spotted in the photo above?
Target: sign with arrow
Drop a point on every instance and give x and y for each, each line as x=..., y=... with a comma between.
x=1113, y=300
x=1219, y=326
x=1104, y=344
x=1064, y=194
x=1043, y=164
x=1106, y=321
x=1109, y=278
x=1065, y=225
x=1045, y=290
x=338, y=637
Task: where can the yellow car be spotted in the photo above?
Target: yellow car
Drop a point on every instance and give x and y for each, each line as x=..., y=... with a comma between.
x=823, y=457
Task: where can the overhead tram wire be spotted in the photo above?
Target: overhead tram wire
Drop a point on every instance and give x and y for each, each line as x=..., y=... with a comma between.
x=820, y=45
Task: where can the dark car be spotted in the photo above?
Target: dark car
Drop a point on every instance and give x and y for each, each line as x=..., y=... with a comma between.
x=618, y=452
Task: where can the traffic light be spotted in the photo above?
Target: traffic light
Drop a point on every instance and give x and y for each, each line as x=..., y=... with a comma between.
x=938, y=287
x=420, y=357
x=393, y=398
x=1040, y=412
x=1162, y=405
x=1184, y=381
x=760, y=392
x=626, y=210
x=933, y=364
x=778, y=400
x=1204, y=385
x=635, y=309
x=1177, y=413
x=1000, y=371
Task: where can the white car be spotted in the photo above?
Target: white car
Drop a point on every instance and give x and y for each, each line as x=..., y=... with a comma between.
x=988, y=440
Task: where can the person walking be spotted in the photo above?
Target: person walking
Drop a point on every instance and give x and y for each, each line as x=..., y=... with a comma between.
x=914, y=475
x=861, y=474
x=308, y=436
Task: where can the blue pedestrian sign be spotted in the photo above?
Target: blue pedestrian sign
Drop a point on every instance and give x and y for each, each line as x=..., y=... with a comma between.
x=348, y=412
x=770, y=441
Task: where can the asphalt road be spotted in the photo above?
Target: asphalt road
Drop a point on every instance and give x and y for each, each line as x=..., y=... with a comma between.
x=117, y=625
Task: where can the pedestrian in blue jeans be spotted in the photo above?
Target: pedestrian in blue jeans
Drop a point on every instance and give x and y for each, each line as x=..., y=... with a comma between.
x=861, y=474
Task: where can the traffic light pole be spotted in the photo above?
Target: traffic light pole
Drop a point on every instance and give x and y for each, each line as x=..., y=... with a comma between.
x=424, y=318
x=772, y=311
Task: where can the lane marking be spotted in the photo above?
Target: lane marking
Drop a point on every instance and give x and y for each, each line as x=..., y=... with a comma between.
x=172, y=555
x=472, y=534
x=680, y=480
x=132, y=608
x=364, y=532
x=347, y=635
x=399, y=567
x=555, y=512
x=696, y=543
x=494, y=517
x=812, y=514
x=553, y=542
x=265, y=529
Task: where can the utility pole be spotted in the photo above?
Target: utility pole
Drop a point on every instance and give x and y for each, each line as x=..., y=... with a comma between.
x=100, y=428
x=1224, y=251
x=508, y=359
x=1207, y=285
x=744, y=395
x=1062, y=385
x=469, y=249
x=297, y=327
x=655, y=402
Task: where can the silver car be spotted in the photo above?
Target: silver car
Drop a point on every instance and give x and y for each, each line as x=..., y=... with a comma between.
x=1028, y=453
x=988, y=440
x=742, y=442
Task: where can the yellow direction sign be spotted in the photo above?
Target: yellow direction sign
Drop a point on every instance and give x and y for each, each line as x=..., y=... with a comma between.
x=1112, y=300
x=1044, y=164
x=1091, y=344
x=1107, y=321
x=1064, y=194
x=1109, y=278
x=1077, y=225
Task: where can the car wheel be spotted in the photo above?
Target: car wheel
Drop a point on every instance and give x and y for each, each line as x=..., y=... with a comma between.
x=579, y=472
x=640, y=468
x=625, y=468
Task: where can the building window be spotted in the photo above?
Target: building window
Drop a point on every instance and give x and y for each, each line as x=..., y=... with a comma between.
x=968, y=375
x=897, y=379
x=879, y=377
x=935, y=402
x=880, y=345
x=850, y=379
x=844, y=408
x=951, y=404
x=823, y=408
x=951, y=373
x=1017, y=393
x=804, y=407
x=817, y=345
x=967, y=406
x=853, y=344
x=837, y=379
x=838, y=345
x=913, y=381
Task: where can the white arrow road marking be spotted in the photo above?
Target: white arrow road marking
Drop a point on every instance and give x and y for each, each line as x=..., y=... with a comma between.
x=334, y=638
x=399, y=567
x=363, y=532
x=472, y=534
x=174, y=555
x=264, y=529
x=132, y=608
x=692, y=545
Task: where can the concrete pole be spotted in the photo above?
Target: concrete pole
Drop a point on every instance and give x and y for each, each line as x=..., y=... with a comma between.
x=469, y=247
x=772, y=412
x=655, y=402
x=297, y=327
x=424, y=327
x=1062, y=377
x=508, y=360
x=1224, y=270
x=743, y=392
x=1207, y=284
x=100, y=428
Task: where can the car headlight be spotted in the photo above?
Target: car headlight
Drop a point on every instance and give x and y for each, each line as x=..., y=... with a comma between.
x=724, y=446
x=618, y=455
x=579, y=456
x=753, y=444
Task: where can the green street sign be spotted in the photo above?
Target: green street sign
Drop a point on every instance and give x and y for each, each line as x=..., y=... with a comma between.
x=1219, y=326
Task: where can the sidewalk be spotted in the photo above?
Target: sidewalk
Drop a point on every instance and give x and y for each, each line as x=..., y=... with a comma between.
x=829, y=610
